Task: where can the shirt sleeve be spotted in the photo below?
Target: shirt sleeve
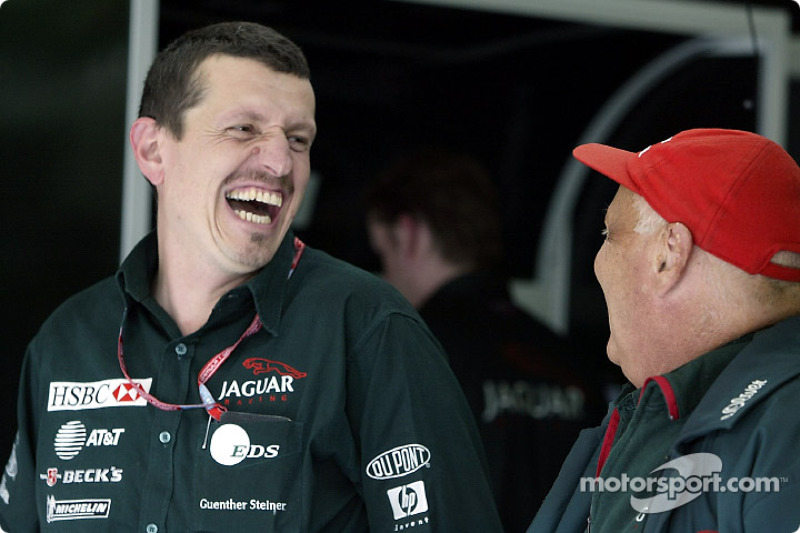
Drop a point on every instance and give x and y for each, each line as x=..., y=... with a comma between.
x=422, y=464
x=17, y=489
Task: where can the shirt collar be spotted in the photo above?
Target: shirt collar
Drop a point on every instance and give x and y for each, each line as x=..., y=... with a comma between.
x=136, y=273
x=692, y=380
x=268, y=287
x=138, y=269
x=683, y=388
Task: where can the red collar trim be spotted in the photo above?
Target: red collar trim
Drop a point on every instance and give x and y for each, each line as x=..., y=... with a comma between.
x=608, y=440
x=613, y=423
x=668, y=392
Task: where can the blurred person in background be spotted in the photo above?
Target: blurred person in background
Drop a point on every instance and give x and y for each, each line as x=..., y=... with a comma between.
x=433, y=219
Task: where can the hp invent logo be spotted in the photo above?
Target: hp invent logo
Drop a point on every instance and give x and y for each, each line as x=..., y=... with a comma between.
x=408, y=500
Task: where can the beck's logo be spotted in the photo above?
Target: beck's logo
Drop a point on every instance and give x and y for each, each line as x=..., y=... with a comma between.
x=83, y=475
x=75, y=396
x=52, y=476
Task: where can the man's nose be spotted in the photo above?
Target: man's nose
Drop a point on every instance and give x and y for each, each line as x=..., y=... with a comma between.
x=273, y=154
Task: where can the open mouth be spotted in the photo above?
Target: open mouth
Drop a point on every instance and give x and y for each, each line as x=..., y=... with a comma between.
x=255, y=205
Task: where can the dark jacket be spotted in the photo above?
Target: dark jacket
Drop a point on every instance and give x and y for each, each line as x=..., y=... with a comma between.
x=747, y=419
x=347, y=417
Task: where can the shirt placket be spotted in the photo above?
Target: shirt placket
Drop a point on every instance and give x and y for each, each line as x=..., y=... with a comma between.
x=172, y=382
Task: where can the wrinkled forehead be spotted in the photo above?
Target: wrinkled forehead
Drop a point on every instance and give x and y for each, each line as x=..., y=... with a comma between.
x=623, y=203
x=222, y=69
x=247, y=87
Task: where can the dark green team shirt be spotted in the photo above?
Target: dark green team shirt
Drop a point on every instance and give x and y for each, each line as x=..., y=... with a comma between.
x=650, y=420
x=733, y=443
x=366, y=429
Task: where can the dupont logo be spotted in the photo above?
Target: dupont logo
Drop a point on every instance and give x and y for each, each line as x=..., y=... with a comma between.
x=399, y=461
x=74, y=396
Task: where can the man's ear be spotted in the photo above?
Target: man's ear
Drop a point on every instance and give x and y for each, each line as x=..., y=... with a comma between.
x=674, y=249
x=413, y=235
x=145, y=136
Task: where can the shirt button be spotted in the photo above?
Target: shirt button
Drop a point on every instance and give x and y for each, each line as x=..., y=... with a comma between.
x=164, y=437
x=181, y=349
x=151, y=528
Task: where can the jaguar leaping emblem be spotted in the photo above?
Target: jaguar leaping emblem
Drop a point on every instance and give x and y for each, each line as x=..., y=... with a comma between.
x=263, y=366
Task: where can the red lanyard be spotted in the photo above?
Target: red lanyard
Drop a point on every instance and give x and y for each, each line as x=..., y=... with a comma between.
x=213, y=408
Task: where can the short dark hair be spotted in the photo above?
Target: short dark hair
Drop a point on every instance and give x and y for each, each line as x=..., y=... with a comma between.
x=454, y=194
x=173, y=85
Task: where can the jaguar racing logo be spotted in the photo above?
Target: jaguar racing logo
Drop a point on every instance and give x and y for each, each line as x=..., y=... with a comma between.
x=276, y=380
x=264, y=366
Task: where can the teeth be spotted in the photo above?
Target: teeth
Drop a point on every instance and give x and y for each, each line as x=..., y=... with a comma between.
x=250, y=217
x=254, y=194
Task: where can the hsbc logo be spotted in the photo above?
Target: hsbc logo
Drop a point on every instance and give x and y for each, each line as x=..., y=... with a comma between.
x=75, y=396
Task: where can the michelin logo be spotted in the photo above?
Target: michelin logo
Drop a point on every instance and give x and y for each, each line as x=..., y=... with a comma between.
x=76, y=509
x=75, y=396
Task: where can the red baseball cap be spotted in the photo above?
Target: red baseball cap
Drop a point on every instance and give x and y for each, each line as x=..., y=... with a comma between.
x=737, y=192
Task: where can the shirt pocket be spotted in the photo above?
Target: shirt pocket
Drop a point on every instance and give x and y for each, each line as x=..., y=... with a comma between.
x=249, y=477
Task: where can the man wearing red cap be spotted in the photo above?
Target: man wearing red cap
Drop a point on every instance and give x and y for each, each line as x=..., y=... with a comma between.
x=701, y=275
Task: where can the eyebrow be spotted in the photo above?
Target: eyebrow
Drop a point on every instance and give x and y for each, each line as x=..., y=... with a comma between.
x=248, y=115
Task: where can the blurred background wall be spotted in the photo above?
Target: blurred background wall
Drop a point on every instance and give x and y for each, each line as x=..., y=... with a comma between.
x=62, y=107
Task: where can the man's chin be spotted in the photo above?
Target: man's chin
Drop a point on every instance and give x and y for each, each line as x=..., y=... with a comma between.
x=611, y=352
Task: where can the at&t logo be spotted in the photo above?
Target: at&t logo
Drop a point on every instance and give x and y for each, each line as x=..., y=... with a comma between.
x=72, y=437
